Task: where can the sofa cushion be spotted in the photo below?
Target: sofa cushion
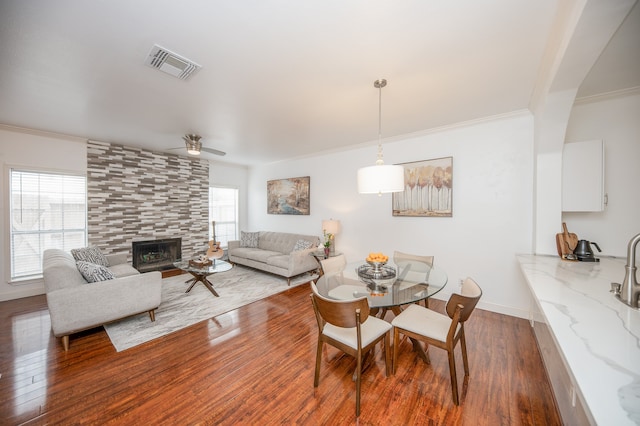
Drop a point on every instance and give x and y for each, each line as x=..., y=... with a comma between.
x=262, y=255
x=91, y=255
x=280, y=260
x=302, y=245
x=93, y=272
x=123, y=270
x=249, y=239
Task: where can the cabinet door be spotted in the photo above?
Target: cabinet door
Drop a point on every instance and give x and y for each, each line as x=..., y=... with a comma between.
x=583, y=176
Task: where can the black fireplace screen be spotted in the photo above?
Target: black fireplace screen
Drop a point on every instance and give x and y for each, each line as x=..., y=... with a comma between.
x=156, y=255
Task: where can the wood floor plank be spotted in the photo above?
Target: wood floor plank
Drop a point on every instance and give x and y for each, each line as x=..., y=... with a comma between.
x=255, y=366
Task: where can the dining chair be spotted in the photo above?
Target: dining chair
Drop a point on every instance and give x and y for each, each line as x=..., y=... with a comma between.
x=414, y=268
x=333, y=265
x=346, y=325
x=439, y=330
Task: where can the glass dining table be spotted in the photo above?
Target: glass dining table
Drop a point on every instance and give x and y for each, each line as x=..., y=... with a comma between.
x=387, y=288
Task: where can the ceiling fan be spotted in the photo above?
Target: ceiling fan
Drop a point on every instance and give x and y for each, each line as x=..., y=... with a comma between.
x=194, y=146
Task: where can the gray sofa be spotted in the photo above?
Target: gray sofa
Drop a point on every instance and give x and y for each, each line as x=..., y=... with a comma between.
x=75, y=305
x=275, y=253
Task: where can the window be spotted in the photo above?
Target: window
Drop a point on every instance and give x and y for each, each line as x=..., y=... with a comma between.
x=47, y=210
x=223, y=209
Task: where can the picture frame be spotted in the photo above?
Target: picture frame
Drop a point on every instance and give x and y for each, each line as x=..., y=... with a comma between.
x=428, y=189
x=289, y=196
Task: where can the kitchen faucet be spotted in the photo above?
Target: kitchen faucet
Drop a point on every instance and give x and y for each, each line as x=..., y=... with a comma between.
x=629, y=291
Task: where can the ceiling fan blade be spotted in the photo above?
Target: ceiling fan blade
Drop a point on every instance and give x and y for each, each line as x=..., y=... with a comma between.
x=213, y=151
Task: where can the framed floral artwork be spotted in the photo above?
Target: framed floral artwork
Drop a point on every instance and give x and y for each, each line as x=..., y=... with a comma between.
x=428, y=189
x=288, y=196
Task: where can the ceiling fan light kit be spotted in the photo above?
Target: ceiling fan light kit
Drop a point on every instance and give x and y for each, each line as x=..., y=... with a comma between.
x=193, y=144
x=381, y=178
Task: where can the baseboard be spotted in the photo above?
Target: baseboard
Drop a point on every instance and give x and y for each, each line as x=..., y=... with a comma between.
x=492, y=307
x=19, y=293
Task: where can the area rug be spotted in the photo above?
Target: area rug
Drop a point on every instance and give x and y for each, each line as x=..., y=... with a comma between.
x=237, y=287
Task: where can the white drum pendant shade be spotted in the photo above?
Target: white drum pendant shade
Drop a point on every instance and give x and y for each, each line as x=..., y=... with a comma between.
x=380, y=179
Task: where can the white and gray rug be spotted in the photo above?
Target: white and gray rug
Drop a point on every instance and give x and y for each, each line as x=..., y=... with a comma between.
x=237, y=287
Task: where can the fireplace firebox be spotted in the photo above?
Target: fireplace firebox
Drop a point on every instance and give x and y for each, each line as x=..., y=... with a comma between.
x=156, y=255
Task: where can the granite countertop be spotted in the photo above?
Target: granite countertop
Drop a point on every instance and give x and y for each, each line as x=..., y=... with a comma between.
x=598, y=336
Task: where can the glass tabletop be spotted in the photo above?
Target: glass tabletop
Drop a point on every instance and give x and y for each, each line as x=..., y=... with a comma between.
x=216, y=266
x=410, y=283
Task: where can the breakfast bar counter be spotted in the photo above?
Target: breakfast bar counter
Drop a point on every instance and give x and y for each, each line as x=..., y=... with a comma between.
x=597, y=337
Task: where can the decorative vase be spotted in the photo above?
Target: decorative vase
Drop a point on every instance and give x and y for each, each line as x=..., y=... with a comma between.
x=326, y=252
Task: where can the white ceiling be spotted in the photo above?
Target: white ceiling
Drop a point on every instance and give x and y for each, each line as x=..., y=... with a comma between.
x=279, y=79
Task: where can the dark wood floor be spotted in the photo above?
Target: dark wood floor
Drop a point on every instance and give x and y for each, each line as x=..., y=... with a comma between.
x=255, y=366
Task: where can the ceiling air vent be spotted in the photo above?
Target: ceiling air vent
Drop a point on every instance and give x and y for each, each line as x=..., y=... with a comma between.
x=170, y=63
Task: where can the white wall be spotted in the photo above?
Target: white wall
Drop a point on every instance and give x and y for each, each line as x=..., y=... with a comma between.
x=42, y=151
x=617, y=122
x=492, y=206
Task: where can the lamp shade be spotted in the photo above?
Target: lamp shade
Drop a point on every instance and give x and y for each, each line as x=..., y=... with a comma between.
x=380, y=179
x=331, y=226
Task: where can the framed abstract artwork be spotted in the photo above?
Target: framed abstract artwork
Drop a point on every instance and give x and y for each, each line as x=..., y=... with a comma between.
x=288, y=196
x=428, y=189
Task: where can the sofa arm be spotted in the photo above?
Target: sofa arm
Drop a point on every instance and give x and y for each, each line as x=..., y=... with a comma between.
x=116, y=258
x=233, y=244
x=301, y=261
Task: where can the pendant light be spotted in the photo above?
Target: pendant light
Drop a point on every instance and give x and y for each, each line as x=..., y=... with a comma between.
x=381, y=178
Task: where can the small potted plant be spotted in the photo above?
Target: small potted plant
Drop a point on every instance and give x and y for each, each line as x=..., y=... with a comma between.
x=327, y=243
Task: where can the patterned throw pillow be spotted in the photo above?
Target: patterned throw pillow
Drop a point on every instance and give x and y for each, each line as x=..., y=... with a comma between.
x=249, y=239
x=94, y=273
x=302, y=245
x=91, y=255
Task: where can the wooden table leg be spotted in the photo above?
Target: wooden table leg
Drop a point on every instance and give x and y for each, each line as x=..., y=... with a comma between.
x=203, y=279
x=207, y=284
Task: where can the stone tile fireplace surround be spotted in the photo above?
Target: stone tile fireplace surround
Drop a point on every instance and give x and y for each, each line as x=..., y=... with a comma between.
x=137, y=195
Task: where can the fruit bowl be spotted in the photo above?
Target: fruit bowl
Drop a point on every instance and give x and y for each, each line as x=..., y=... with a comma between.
x=376, y=265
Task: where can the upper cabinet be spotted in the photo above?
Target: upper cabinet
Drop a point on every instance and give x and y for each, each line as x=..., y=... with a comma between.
x=583, y=177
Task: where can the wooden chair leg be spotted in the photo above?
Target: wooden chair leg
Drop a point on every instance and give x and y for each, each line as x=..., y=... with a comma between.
x=65, y=342
x=358, y=377
x=454, y=378
x=396, y=343
x=463, y=348
x=152, y=315
x=387, y=354
x=316, y=378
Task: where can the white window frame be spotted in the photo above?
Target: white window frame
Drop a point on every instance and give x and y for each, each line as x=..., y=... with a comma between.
x=220, y=222
x=42, y=231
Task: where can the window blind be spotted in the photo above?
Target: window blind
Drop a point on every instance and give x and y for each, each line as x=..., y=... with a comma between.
x=47, y=210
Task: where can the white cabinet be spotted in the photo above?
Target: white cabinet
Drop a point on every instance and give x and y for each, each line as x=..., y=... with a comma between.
x=583, y=176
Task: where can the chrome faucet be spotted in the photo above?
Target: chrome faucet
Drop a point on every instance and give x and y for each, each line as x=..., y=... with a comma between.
x=629, y=291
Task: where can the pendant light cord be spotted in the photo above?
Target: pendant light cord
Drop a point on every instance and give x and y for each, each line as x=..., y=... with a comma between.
x=380, y=84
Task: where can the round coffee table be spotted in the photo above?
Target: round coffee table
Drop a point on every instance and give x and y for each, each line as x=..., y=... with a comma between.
x=200, y=273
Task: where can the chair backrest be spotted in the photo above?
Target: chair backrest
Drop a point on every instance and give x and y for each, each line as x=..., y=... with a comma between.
x=412, y=267
x=334, y=265
x=341, y=313
x=468, y=297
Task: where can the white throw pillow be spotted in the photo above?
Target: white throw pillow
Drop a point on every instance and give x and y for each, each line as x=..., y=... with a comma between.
x=249, y=239
x=94, y=273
